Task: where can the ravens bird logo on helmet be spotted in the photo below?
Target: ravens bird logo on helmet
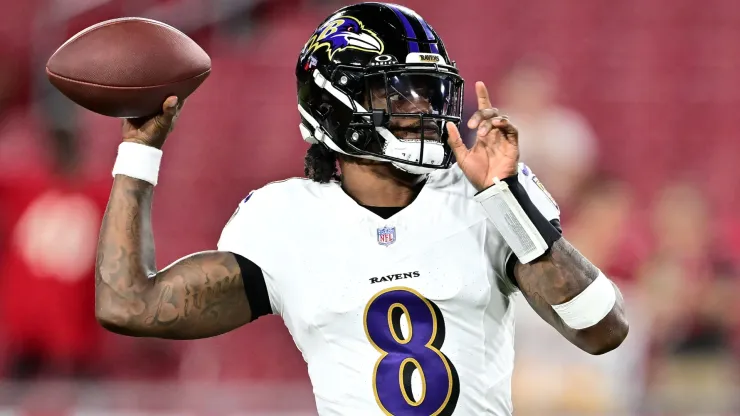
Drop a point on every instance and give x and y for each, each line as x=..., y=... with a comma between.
x=343, y=33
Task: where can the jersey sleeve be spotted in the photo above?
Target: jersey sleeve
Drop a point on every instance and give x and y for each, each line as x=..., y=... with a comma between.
x=545, y=203
x=538, y=194
x=247, y=234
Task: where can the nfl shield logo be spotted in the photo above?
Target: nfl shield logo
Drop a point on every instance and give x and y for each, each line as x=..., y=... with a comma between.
x=386, y=236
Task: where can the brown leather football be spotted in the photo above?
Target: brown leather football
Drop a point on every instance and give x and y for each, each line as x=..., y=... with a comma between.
x=127, y=67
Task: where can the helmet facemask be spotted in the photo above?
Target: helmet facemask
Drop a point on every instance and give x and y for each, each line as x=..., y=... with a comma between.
x=395, y=113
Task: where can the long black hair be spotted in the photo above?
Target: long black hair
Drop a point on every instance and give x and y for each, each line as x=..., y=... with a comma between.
x=320, y=164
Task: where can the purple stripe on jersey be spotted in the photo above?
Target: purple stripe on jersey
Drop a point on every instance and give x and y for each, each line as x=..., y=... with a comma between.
x=410, y=33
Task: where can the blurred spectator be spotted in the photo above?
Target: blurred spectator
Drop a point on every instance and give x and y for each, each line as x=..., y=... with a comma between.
x=51, y=217
x=599, y=227
x=691, y=316
x=600, y=221
x=553, y=377
x=604, y=226
x=556, y=142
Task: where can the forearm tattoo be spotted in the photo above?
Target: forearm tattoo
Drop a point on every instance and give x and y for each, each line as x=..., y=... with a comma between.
x=558, y=277
x=199, y=296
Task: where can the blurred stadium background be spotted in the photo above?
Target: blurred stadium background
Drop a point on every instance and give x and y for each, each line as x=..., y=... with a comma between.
x=629, y=114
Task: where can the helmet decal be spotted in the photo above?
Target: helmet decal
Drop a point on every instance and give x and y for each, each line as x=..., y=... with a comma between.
x=341, y=33
x=410, y=33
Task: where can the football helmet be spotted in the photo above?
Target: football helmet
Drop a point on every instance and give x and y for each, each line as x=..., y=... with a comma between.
x=375, y=82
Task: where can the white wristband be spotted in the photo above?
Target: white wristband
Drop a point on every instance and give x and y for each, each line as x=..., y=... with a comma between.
x=590, y=306
x=138, y=161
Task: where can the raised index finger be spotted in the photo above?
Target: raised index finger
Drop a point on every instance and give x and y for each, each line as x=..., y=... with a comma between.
x=482, y=92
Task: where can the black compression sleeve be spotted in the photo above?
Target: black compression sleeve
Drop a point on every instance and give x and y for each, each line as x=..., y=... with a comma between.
x=512, y=260
x=254, y=286
x=550, y=233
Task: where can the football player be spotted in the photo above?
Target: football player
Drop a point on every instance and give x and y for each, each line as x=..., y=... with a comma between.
x=392, y=268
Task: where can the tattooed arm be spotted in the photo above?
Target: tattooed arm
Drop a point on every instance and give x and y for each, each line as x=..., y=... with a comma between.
x=199, y=296
x=558, y=277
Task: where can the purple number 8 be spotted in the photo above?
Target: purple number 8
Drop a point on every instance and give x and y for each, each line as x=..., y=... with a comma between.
x=400, y=356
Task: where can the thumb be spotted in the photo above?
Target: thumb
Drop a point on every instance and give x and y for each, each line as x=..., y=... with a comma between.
x=169, y=109
x=162, y=123
x=455, y=141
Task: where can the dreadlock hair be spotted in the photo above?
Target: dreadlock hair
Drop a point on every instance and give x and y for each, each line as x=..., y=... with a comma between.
x=320, y=164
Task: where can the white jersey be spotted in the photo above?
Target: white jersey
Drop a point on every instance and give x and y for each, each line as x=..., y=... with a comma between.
x=409, y=315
